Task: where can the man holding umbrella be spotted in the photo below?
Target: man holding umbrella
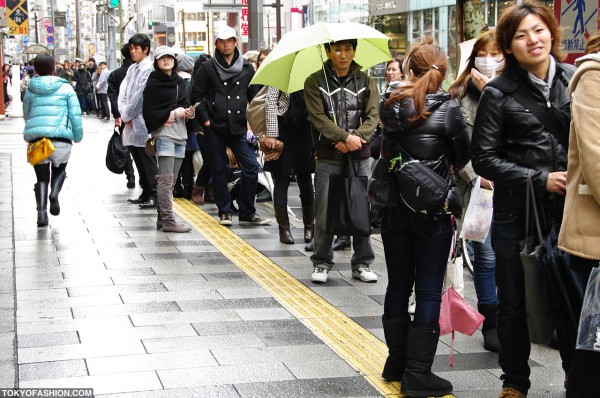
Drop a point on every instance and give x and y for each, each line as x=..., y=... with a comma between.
x=342, y=103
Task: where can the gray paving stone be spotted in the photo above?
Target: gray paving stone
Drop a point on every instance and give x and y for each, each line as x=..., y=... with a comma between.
x=303, y=354
x=40, y=314
x=220, y=391
x=243, y=327
x=199, y=305
x=323, y=369
x=302, y=337
x=83, y=350
x=91, y=335
x=47, y=339
x=51, y=326
x=166, y=318
x=65, y=303
x=249, y=292
x=7, y=300
x=257, y=314
x=102, y=384
x=8, y=374
x=115, y=264
x=224, y=375
x=124, y=309
x=199, y=294
x=175, y=344
x=115, y=289
x=52, y=370
x=137, y=363
x=336, y=387
x=156, y=278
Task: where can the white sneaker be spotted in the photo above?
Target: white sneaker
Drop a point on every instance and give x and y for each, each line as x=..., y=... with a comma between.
x=319, y=275
x=365, y=274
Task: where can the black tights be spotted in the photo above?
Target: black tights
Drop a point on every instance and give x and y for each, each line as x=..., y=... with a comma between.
x=42, y=171
x=282, y=183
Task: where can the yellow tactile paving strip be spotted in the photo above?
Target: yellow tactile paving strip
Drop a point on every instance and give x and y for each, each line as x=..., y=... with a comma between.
x=359, y=348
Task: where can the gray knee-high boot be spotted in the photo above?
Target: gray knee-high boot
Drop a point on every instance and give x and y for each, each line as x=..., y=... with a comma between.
x=41, y=198
x=56, y=185
x=418, y=380
x=396, y=338
x=165, y=203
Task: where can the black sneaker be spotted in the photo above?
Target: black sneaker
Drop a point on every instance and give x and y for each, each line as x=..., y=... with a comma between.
x=225, y=219
x=255, y=219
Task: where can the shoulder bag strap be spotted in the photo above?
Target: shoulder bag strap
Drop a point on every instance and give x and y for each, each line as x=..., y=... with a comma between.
x=531, y=202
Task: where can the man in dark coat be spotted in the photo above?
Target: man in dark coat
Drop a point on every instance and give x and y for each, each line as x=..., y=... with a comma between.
x=221, y=85
x=114, y=83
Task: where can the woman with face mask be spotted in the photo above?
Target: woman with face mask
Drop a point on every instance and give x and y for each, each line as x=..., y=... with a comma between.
x=481, y=67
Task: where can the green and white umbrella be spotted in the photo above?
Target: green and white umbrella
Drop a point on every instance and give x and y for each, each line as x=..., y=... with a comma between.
x=300, y=53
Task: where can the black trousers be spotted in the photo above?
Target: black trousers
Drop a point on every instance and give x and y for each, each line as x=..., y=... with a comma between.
x=147, y=169
x=103, y=108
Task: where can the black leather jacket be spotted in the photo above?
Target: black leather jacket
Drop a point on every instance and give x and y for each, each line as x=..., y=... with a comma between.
x=438, y=141
x=508, y=140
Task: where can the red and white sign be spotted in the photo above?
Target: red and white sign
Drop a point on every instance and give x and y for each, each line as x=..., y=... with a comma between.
x=244, y=21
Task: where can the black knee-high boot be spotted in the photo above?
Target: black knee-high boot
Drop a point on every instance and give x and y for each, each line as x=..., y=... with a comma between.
x=418, y=380
x=56, y=185
x=396, y=338
x=41, y=198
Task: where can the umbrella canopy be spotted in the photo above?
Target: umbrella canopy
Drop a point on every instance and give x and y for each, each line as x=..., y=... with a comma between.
x=457, y=314
x=300, y=53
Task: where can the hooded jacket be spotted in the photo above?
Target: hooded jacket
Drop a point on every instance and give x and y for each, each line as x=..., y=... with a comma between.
x=438, y=141
x=339, y=107
x=51, y=109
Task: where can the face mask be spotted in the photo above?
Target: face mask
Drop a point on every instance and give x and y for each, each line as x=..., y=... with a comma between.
x=487, y=65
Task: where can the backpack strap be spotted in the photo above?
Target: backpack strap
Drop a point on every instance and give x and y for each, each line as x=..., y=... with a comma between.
x=545, y=115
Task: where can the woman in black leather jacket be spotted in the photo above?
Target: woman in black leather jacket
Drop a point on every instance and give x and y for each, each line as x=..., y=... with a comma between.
x=428, y=124
x=508, y=143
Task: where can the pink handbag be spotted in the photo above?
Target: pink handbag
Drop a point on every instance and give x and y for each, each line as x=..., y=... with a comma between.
x=457, y=314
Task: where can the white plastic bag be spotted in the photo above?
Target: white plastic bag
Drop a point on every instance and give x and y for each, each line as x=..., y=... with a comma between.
x=478, y=217
x=588, y=335
x=197, y=161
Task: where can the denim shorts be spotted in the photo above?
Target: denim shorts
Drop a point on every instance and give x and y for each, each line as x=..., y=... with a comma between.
x=169, y=148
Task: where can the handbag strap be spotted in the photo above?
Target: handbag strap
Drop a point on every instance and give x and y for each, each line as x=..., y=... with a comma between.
x=351, y=166
x=530, y=202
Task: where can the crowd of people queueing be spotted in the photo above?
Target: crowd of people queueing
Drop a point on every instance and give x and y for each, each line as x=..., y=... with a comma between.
x=478, y=128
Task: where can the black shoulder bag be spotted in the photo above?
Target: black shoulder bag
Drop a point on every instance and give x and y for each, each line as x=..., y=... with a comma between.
x=421, y=189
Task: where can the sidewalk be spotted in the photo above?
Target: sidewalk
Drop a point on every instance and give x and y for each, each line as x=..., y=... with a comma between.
x=104, y=300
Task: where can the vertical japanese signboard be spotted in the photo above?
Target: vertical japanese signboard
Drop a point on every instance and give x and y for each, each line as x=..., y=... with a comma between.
x=16, y=17
x=244, y=21
x=579, y=20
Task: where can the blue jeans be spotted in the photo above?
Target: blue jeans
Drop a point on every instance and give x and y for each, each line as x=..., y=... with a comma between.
x=484, y=270
x=416, y=251
x=82, y=97
x=323, y=254
x=219, y=167
x=508, y=230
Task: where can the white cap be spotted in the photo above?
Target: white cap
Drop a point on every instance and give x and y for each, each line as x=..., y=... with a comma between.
x=164, y=50
x=225, y=32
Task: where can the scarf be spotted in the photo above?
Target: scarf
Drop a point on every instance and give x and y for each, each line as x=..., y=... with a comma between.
x=163, y=94
x=225, y=70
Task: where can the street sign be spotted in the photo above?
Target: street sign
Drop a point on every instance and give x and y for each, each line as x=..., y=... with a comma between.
x=50, y=39
x=26, y=40
x=46, y=23
x=50, y=29
x=16, y=17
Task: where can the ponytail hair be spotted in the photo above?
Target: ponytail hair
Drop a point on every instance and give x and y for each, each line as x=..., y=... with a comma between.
x=428, y=63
